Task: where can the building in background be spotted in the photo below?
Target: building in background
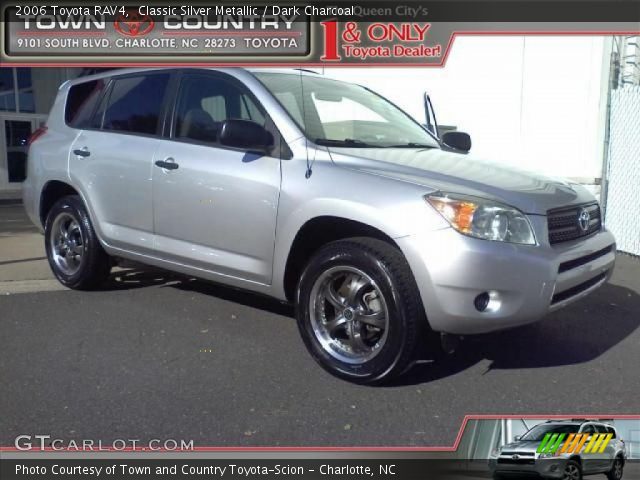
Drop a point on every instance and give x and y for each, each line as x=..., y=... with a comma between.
x=26, y=96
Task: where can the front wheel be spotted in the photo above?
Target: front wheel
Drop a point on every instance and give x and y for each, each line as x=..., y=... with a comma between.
x=616, y=470
x=572, y=471
x=359, y=310
x=73, y=250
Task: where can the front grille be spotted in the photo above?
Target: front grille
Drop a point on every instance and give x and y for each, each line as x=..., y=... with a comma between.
x=571, y=264
x=572, y=292
x=564, y=223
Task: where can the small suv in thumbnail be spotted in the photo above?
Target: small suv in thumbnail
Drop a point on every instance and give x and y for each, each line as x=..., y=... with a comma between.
x=565, y=450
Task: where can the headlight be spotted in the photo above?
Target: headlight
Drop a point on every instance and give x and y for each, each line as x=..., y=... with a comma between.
x=546, y=455
x=495, y=452
x=482, y=218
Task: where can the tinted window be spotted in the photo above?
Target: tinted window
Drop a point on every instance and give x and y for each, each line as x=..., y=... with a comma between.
x=205, y=102
x=612, y=431
x=589, y=429
x=81, y=103
x=135, y=104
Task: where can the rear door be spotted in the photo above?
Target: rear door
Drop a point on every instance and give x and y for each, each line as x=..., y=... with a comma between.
x=215, y=207
x=112, y=157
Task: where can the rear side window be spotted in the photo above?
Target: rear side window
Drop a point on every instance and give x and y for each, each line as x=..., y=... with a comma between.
x=135, y=104
x=612, y=431
x=81, y=103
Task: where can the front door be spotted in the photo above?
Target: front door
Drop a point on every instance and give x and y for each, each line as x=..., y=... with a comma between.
x=215, y=207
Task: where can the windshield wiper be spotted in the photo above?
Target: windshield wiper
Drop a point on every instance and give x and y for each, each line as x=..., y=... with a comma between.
x=347, y=142
x=411, y=145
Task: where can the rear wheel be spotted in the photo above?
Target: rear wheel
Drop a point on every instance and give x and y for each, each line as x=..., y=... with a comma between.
x=359, y=310
x=73, y=250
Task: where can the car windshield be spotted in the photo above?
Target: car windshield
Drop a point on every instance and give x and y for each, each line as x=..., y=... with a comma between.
x=342, y=114
x=537, y=433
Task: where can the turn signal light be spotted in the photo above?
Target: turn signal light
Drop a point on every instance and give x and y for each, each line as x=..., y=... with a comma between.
x=459, y=213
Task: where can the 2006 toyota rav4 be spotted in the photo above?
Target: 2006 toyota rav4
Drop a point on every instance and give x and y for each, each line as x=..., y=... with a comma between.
x=591, y=447
x=313, y=191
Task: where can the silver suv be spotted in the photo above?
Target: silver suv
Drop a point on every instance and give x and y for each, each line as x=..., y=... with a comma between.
x=313, y=191
x=562, y=449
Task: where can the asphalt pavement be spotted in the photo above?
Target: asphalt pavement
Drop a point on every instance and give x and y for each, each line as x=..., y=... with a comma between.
x=155, y=355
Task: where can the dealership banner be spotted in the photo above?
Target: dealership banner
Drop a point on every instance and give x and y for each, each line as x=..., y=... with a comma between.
x=291, y=33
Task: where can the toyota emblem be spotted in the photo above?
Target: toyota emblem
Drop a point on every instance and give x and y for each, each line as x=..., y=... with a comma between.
x=584, y=219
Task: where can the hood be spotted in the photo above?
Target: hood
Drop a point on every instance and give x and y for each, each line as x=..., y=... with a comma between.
x=455, y=173
x=521, y=446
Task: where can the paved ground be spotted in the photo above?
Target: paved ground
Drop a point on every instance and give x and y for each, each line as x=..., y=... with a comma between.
x=153, y=356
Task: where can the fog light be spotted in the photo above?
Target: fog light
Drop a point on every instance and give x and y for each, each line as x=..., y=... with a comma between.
x=482, y=301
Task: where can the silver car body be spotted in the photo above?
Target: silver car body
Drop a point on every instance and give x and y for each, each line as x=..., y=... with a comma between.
x=521, y=457
x=235, y=222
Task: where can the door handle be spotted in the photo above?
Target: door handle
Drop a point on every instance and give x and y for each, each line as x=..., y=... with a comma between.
x=83, y=152
x=168, y=164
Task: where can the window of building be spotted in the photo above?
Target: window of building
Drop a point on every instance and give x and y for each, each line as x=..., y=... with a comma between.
x=7, y=90
x=16, y=90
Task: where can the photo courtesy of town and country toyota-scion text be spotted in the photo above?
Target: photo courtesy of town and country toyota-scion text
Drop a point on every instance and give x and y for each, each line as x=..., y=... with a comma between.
x=348, y=240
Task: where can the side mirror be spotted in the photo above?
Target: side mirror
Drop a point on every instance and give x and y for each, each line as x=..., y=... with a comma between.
x=245, y=134
x=517, y=438
x=457, y=140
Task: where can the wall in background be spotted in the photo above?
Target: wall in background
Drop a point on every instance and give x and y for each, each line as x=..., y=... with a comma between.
x=538, y=102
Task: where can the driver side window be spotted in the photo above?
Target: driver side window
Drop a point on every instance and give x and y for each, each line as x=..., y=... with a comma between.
x=205, y=102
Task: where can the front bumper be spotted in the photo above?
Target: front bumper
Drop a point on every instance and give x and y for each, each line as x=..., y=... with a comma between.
x=541, y=467
x=525, y=282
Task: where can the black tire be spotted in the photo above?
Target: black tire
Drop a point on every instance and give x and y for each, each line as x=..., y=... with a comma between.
x=385, y=265
x=497, y=476
x=572, y=466
x=94, y=265
x=615, y=473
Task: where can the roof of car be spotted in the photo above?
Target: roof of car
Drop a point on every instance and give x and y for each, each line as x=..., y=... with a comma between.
x=125, y=71
x=579, y=422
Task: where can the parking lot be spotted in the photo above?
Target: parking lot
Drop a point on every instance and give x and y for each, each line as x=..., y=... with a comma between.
x=154, y=355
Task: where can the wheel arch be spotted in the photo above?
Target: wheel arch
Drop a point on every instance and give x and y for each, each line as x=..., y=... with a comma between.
x=317, y=232
x=577, y=459
x=51, y=192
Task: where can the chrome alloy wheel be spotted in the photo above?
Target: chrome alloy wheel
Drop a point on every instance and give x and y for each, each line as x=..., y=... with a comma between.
x=67, y=244
x=571, y=472
x=349, y=314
